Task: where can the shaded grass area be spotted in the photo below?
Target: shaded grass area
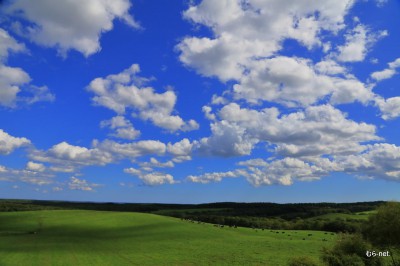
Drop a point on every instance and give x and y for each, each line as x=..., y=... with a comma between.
x=78, y=237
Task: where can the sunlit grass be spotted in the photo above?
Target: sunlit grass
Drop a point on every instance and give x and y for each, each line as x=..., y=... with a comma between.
x=114, y=238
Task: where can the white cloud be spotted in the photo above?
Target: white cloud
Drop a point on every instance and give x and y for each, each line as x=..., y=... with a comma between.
x=395, y=63
x=295, y=82
x=151, y=179
x=207, y=110
x=358, y=41
x=66, y=157
x=247, y=31
x=9, y=143
x=36, y=167
x=355, y=48
x=9, y=44
x=284, y=172
x=330, y=67
x=248, y=36
x=390, y=107
x=132, y=150
x=14, y=80
x=213, y=177
x=259, y=172
x=316, y=131
x=81, y=184
x=384, y=74
x=227, y=139
x=154, y=163
x=11, y=78
x=123, y=128
x=126, y=91
x=381, y=160
x=52, y=24
x=181, y=150
x=36, y=177
x=132, y=171
x=388, y=72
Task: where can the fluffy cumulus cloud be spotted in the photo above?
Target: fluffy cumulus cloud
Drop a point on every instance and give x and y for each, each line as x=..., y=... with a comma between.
x=383, y=74
x=379, y=160
x=248, y=38
x=11, y=78
x=133, y=149
x=35, y=174
x=65, y=157
x=151, y=178
x=390, y=107
x=14, y=80
x=9, y=143
x=81, y=184
x=247, y=30
x=316, y=131
x=122, y=128
x=260, y=172
x=358, y=41
x=154, y=163
x=213, y=177
x=247, y=48
x=181, y=150
x=297, y=81
x=388, y=72
x=36, y=167
x=286, y=170
x=50, y=23
x=127, y=91
x=9, y=45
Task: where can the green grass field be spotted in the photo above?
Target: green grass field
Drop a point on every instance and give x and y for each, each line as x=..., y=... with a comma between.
x=115, y=238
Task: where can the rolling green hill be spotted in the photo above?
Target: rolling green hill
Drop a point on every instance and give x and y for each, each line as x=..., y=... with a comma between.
x=83, y=237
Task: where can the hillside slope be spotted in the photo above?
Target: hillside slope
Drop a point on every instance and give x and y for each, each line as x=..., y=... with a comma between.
x=80, y=237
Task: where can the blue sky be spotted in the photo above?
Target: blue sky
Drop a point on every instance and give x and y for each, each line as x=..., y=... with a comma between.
x=200, y=101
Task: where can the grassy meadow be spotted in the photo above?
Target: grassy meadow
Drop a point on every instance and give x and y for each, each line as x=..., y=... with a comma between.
x=84, y=237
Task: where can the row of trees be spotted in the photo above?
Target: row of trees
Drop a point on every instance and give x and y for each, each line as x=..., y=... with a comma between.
x=331, y=225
